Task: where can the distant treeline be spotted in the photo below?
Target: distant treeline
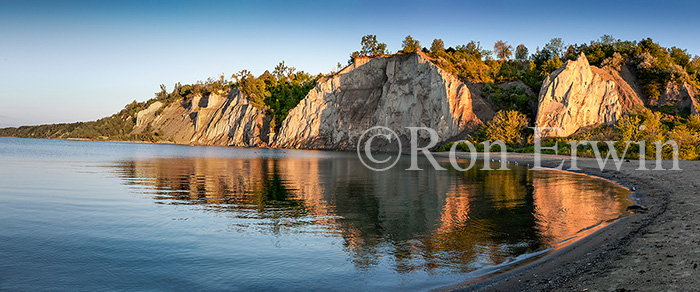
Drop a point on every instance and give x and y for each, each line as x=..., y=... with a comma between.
x=114, y=127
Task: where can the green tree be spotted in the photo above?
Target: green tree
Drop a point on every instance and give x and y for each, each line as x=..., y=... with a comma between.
x=521, y=52
x=680, y=57
x=163, y=93
x=556, y=46
x=607, y=39
x=353, y=56
x=487, y=54
x=503, y=50
x=371, y=47
x=282, y=72
x=437, y=46
x=472, y=48
x=572, y=53
x=410, y=45
x=663, y=59
x=253, y=88
x=550, y=66
x=694, y=71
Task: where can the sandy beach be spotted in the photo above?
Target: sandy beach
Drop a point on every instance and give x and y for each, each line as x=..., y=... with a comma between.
x=653, y=250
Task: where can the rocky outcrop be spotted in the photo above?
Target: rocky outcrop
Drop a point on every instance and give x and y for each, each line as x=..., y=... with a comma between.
x=578, y=95
x=224, y=118
x=145, y=117
x=395, y=92
x=681, y=96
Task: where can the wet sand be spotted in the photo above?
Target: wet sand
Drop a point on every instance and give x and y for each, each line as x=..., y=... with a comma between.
x=653, y=250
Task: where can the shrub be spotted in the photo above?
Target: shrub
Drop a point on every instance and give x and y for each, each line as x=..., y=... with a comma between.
x=614, y=62
x=693, y=123
x=507, y=126
x=677, y=74
x=688, y=142
x=515, y=98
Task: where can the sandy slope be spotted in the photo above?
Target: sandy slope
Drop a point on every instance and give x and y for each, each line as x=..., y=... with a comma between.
x=658, y=250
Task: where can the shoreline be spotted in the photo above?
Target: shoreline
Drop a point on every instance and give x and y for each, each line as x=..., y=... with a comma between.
x=650, y=250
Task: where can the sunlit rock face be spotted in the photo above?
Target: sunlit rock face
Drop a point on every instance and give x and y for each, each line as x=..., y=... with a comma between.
x=578, y=95
x=395, y=92
x=681, y=96
x=223, y=118
x=399, y=91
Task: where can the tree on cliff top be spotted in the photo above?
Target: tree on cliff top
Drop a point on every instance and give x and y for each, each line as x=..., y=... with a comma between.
x=437, y=46
x=370, y=47
x=521, y=52
x=556, y=46
x=410, y=45
x=282, y=72
x=254, y=88
x=163, y=93
x=503, y=50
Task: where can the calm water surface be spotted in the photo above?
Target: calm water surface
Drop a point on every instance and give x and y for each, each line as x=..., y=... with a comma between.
x=92, y=216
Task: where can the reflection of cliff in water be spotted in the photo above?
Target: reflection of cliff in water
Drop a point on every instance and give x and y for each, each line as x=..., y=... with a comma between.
x=252, y=189
x=418, y=219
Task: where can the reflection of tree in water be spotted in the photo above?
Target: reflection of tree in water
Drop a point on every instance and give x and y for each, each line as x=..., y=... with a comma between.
x=271, y=191
x=420, y=220
x=499, y=224
x=273, y=200
x=456, y=220
x=506, y=205
x=360, y=223
x=250, y=189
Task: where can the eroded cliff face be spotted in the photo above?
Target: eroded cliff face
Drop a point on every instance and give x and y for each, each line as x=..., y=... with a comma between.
x=578, y=95
x=681, y=96
x=402, y=91
x=395, y=92
x=224, y=118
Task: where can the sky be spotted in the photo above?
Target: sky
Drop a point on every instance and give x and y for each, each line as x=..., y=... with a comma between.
x=67, y=61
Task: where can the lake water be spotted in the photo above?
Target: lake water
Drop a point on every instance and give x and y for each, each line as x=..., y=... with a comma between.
x=95, y=216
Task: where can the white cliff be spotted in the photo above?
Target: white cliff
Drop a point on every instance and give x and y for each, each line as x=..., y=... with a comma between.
x=578, y=96
x=224, y=118
x=396, y=92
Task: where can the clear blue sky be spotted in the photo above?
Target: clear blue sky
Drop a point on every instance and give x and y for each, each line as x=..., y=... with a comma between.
x=66, y=61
